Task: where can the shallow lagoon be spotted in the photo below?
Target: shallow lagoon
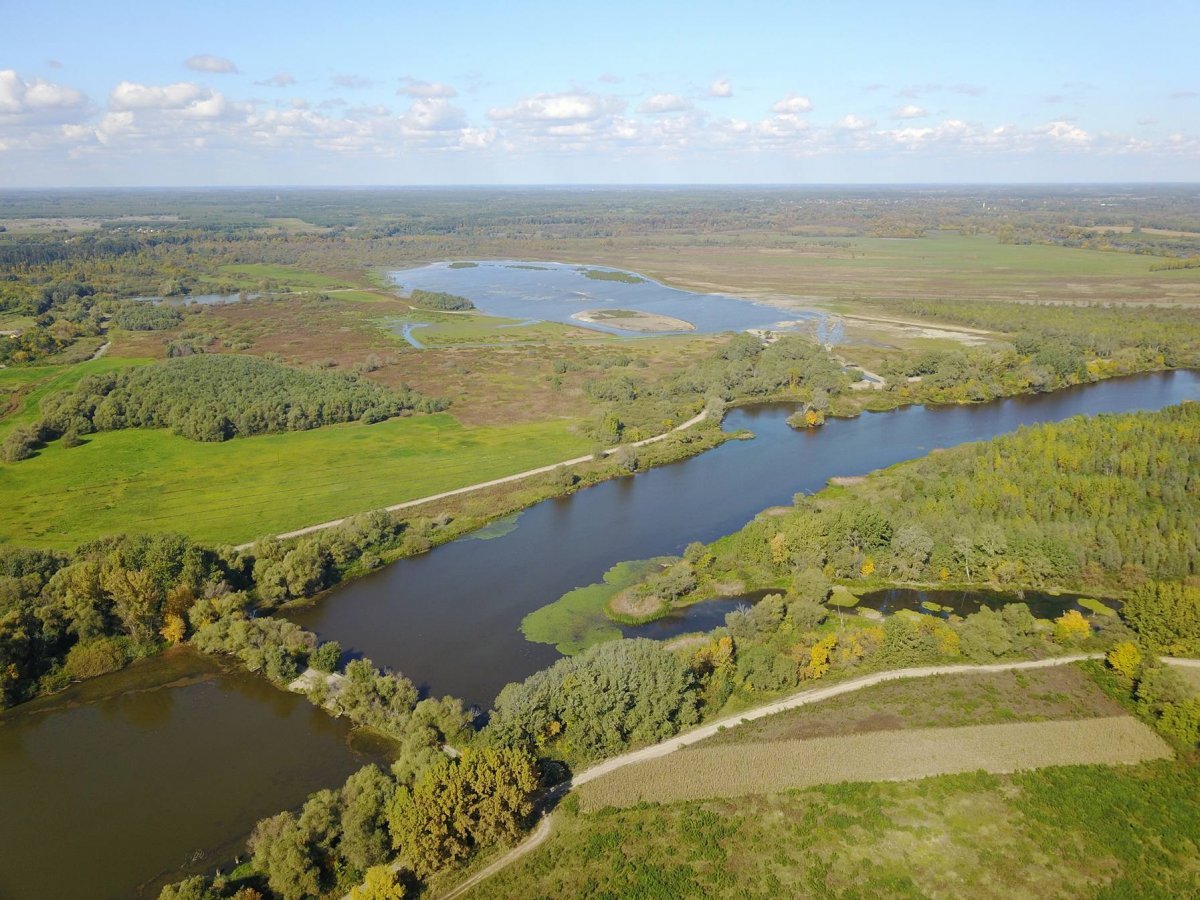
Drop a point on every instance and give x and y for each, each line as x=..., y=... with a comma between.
x=554, y=292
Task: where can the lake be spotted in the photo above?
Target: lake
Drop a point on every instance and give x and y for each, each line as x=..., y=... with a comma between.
x=119, y=784
x=554, y=292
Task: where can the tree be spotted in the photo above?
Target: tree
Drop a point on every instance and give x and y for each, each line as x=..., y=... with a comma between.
x=379, y=883
x=174, y=629
x=280, y=850
x=1125, y=658
x=365, y=797
x=326, y=657
x=1071, y=627
x=1167, y=616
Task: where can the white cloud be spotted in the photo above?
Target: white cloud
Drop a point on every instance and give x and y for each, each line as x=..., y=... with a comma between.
x=279, y=80
x=30, y=98
x=792, y=104
x=1064, y=132
x=852, y=122
x=130, y=95
x=426, y=90
x=664, y=103
x=552, y=109
x=433, y=115
x=909, y=111
x=720, y=88
x=206, y=62
x=610, y=78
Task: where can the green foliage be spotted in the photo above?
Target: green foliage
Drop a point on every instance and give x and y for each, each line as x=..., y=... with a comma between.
x=613, y=696
x=1166, y=615
x=482, y=798
x=144, y=316
x=440, y=300
x=326, y=657
x=217, y=397
x=1104, y=501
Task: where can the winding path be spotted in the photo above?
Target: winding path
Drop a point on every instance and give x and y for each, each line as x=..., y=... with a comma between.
x=529, y=473
x=538, y=836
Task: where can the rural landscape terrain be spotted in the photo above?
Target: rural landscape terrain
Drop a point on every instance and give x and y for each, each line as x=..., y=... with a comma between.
x=249, y=463
x=610, y=451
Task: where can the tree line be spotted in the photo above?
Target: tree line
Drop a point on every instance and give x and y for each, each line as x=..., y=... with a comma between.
x=221, y=396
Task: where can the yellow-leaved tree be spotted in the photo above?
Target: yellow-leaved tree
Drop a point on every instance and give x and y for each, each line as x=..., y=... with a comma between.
x=174, y=629
x=1125, y=658
x=1071, y=627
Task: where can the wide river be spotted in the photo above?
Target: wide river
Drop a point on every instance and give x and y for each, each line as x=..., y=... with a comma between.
x=105, y=790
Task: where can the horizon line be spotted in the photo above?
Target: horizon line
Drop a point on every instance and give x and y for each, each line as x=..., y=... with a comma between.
x=600, y=184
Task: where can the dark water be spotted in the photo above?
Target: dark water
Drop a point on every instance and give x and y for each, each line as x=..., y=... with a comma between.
x=449, y=619
x=711, y=614
x=962, y=603
x=703, y=616
x=553, y=292
x=118, y=784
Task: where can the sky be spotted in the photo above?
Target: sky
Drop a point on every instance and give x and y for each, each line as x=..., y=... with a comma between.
x=398, y=93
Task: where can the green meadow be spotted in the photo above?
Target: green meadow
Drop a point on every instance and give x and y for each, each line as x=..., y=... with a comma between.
x=153, y=481
x=35, y=382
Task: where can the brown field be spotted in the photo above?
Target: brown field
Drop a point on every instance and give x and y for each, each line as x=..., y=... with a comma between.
x=770, y=767
x=487, y=384
x=985, y=698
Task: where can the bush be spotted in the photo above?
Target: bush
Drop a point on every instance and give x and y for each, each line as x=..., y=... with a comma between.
x=19, y=445
x=93, y=658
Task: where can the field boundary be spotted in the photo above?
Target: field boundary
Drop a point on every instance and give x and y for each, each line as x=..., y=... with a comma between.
x=802, y=698
x=519, y=476
x=768, y=767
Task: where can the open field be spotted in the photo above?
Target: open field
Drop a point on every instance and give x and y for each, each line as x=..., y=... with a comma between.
x=982, y=698
x=1077, y=831
x=151, y=480
x=773, y=766
x=22, y=389
x=798, y=270
x=289, y=276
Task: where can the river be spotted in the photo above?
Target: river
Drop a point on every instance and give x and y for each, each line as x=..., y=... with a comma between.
x=449, y=619
x=123, y=780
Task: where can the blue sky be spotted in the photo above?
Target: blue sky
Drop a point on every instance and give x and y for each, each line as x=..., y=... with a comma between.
x=469, y=93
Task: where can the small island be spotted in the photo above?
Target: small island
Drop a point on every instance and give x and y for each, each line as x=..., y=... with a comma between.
x=609, y=275
x=634, y=320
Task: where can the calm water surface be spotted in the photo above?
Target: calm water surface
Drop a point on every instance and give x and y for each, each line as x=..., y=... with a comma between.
x=143, y=775
x=553, y=292
x=121, y=783
x=450, y=619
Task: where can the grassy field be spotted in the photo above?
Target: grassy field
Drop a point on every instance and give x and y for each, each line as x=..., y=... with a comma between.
x=770, y=767
x=943, y=264
x=22, y=388
x=977, y=698
x=1077, y=831
x=288, y=276
x=149, y=480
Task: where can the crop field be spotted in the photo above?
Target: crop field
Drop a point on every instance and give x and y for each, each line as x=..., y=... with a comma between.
x=763, y=768
x=977, y=698
x=152, y=480
x=1076, y=832
x=942, y=264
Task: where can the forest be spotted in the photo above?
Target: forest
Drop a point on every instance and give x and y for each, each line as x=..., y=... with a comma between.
x=1102, y=503
x=218, y=397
